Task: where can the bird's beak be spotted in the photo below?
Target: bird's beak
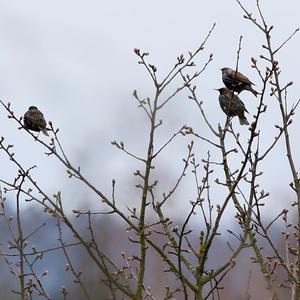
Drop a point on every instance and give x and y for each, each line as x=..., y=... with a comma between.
x=216, y=90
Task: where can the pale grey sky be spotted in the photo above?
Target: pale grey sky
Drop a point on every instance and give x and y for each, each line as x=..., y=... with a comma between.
x=74, y=60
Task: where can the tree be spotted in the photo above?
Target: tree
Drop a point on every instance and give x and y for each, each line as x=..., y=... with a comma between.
x=189, y=261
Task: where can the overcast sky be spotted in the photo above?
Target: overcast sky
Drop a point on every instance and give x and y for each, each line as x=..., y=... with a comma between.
x=74, y=60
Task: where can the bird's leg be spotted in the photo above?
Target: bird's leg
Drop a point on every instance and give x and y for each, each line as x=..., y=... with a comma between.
x=228, y=123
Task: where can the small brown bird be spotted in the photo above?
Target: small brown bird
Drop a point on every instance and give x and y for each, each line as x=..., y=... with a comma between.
x=232, y=105
x=237, y=81
x=34, y=120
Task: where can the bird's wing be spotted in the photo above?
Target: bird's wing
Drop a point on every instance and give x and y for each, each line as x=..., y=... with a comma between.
x=240, y=77
x=37, y=118
x=241, y=105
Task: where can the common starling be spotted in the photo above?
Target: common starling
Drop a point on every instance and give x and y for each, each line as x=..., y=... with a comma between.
x=232, y=105
x=34, y=120
x=237, y=81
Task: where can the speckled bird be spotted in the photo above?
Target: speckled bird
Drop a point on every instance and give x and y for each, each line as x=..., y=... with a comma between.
x=34, y=120
x=232, y=105
x=237, y=81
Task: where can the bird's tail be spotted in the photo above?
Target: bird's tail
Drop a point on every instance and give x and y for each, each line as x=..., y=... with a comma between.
x=44, y=130
x=243, y=120
x=254, y=92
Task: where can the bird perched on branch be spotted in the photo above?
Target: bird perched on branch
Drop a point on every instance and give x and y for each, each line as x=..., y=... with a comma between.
x=34, y=120
x=232, y=105
x=236, y=81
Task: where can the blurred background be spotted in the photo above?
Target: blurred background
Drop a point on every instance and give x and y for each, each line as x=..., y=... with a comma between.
x=74, y=61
